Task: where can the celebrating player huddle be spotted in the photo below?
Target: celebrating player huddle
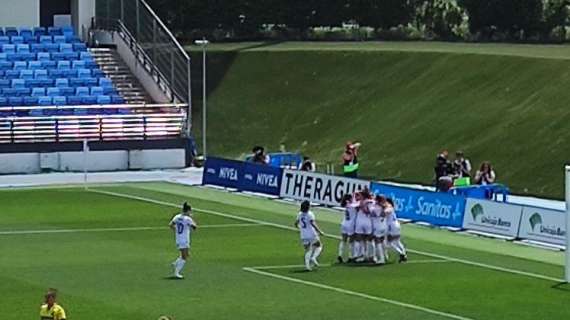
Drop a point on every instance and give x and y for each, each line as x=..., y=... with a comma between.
x=368, y=227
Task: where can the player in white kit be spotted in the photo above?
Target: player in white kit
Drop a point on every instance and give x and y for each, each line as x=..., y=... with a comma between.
x=347, y=227
x=363, y=227
x=183, y=225
x=379, y=229
x=309, y=235
x=393, y=226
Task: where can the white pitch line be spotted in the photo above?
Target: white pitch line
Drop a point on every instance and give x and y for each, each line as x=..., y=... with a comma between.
x=358, y=294
x=326, y=265
x=280, y=226
x=208, y=226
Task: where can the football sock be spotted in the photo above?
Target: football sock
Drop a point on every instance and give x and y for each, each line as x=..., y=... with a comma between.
x=397, y=247
x=380, y=253
x=308, y=258
x=317, y=252
x=341, y=248
x=179, y=265
x=350, y=249
x=372, y=249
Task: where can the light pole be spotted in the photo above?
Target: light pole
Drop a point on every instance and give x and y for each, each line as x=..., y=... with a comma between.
x=203, y=43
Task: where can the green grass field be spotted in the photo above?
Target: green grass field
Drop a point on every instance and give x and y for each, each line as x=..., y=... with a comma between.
x=405, y=101
x=108, y=251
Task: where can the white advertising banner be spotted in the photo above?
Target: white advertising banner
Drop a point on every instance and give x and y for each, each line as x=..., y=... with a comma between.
x=318, y=188
x=543, y=225
x=492, y=217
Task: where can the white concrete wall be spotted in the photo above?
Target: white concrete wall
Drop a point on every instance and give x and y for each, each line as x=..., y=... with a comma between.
x=19, y=13
x=82, y=11
x=157, y=159
x=97, y=161
x=19, y=163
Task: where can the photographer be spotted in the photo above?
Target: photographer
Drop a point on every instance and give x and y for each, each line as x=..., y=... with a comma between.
x=308, y=165
x=350, y=160
x=443, y=172
x=485, y=175
x=461, y=166
x=259, y=155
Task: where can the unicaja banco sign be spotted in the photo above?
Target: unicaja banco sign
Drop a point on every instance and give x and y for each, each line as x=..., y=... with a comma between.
x=492, y=217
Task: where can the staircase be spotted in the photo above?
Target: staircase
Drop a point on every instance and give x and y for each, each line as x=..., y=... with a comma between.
x=115, y=69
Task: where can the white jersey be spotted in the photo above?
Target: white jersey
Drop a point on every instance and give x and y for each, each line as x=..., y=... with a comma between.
x=348, y=220
x=183, y=228
x=392, y=222
x=379, y=227
x=305, y=221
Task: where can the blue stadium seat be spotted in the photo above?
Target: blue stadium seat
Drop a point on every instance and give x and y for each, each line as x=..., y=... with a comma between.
x=8, y=48
x=11, y=31
x=20, y=65
x=46, y=39
x=27, y=56
x=31, y=101
x=15, y=101
x=89, y=100
x=84, y=73
x=91, y=64
x=70, y=73
x=97, y=73
x=90, y=82
x=12, y=74
x=1, y=31
x=67, y=91
x=85, y=55
x=78, y=64
x=55, y=73
x=27, y=74
x=16, y=40
x=59, y=100
x=36, y=47
x=6, y=65
x=23, y=92
x=1, y=73
x=3, y=102
x=18, y=83
x=59, y=39
x=4, y=40
x=62, y=82
x=41, y=74
x=3, y=56
x=21, y=48
x=13, y=56
x=70, y=55
x=64, y=65
x=51, y=47
x=38, y=92
x=49, y=64
x=35, y=65
x=65, y=47
x=73, y=100
x=24, y=31
x=33, y=83
x=76, y=82
x=53, y=92
x=39, y=31
x=44, y=56
x=96, y=91
x=45, y=101
x=9, y=92
x=79, y=46
x=82, y=91
x=5, y=83
x=58, y=56
x=102, y=99
x=55, y=31
x=67, y=30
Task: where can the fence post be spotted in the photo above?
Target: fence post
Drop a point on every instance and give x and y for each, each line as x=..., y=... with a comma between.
x=154, y=39
x=189, y=115
x=172, y=73
x=122, y=10
x=12, y=131
x=137, y=34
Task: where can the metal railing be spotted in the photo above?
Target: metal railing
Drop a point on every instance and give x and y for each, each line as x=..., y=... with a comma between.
x=138, y=23
x=143, y=122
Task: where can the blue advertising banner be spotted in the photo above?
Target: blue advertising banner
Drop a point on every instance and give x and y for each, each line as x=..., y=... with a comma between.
x=222, y=172
x=260, y=178
x=440, y=209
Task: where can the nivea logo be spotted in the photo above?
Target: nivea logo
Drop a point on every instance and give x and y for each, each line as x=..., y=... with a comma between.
x=248, y=176
x=268, y=180
x=228, y=174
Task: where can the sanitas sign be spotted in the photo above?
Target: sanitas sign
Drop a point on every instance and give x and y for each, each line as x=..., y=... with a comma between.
x=492, y=217
x=543, y=225
x=440, y=209
x=319, y=188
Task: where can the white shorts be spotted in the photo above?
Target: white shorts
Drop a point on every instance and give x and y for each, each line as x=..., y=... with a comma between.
x=379, y=229
x=363, y=226
x=183, y=245
x=394, y=229
x=347, y=228
x=310, y=241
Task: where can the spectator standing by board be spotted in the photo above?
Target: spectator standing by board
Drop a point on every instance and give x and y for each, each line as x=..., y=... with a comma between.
x=350, y=160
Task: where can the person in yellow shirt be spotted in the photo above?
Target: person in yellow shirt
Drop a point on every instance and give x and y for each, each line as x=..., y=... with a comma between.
x=50, y=310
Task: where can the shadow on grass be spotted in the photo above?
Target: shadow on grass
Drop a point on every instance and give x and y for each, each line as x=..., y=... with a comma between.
x=562, y=286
